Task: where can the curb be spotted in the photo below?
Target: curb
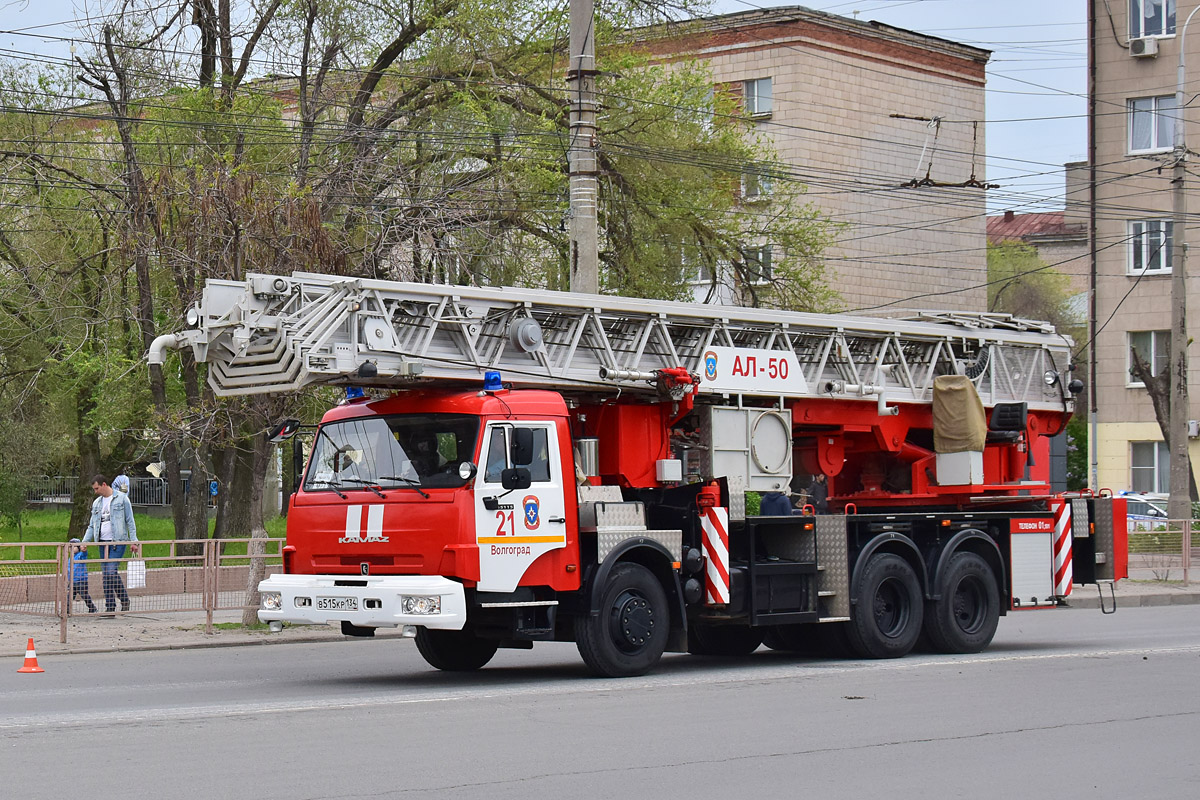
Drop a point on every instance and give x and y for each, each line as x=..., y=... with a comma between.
x=148, y=646
x=1092, y=600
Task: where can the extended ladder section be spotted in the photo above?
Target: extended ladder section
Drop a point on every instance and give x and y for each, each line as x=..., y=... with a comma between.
x=274, y=333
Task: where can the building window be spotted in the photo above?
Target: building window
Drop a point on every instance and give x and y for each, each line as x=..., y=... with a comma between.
x=755, y=186
x=758, y=97
x=1149, y=467
x=758, y=263
x=1151, y=123
x=1152, y=347
x=1151, y=18
x=1150, y=246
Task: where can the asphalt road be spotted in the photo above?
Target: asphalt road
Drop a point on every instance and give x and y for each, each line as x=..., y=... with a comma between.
x=1064, y=704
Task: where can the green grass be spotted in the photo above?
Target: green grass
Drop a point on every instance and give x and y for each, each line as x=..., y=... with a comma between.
x=237, y=626
x=53, y=526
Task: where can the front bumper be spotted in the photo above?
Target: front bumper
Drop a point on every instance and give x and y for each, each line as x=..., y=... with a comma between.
x=377, y=600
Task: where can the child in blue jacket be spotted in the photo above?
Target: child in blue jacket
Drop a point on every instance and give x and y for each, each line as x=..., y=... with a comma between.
x=79, y=575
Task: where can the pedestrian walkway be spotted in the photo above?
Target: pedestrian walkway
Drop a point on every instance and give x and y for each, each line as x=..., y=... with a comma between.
x=159, y=630
x=173, y=630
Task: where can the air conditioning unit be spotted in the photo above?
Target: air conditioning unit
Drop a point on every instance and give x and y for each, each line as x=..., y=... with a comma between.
x=1143, y=48
x=1194, y=428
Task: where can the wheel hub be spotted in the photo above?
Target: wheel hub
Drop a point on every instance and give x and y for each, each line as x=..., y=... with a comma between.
x=632, y=622
x=969, y=606
x=890, y=608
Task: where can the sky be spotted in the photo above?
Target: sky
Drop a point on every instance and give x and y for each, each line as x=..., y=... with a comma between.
x=1036, y=80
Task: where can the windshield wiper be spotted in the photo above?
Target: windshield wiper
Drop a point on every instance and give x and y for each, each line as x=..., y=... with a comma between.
x=332, y=485
x=408, y=481
x=367, y=484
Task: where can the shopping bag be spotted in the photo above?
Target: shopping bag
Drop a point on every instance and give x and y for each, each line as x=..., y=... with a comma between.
x=137, y=574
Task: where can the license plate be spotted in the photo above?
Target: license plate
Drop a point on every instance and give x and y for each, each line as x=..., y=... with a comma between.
x=337, y=604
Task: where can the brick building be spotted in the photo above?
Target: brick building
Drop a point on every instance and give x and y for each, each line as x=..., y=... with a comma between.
x=1132, y=122
x=883, y=125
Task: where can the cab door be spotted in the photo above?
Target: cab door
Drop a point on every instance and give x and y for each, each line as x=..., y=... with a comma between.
x=514, y=528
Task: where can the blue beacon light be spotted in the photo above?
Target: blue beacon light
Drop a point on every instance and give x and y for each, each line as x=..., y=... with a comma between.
x=492, y=382
x=354, y=393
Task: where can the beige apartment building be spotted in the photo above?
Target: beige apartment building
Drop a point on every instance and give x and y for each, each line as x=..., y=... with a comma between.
x=1135, y=47
x=885, y=128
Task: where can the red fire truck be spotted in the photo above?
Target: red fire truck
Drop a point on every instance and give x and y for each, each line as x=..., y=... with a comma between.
x=514, y=466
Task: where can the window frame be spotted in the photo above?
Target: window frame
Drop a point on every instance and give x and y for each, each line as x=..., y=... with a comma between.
x=1161, y=476
x=1155, y=113
x=752, y=258
x=761, y=183
x=1142, y=240
x=1170, y=20
x=752, y=98
x=1155, y=367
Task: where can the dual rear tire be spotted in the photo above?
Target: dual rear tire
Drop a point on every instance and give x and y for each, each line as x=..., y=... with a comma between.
x=891, y=612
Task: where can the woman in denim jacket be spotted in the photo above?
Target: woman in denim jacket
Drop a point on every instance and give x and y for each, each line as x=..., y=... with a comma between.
x=112, y=526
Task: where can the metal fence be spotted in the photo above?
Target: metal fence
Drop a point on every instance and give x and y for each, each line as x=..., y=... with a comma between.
x=37, y=578
x=61, y=488
x=1162, y=550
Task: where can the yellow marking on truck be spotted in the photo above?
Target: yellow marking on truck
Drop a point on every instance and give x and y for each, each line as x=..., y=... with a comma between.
x=520, y=539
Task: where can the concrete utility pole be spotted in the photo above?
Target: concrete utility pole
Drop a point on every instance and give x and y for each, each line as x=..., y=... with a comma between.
x=583, y=254
x=1179, y=506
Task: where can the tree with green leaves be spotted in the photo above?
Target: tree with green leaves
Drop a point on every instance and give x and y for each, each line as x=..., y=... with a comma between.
x=423, y=140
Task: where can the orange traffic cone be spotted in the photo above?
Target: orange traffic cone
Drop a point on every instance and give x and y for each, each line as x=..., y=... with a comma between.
x=31, y=664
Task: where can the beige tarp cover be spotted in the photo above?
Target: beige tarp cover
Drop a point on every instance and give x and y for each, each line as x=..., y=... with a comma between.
x=959, y=423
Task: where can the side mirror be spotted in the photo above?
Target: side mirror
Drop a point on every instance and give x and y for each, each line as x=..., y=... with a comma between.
x=521, y=449
x=283, y=431
x=515, y=478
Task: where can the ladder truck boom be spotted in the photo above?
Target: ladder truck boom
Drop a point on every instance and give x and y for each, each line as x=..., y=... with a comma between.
x=274, y=333
x=528, y=466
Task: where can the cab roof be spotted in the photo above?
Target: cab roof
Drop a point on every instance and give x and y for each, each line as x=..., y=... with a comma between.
x=533, y=402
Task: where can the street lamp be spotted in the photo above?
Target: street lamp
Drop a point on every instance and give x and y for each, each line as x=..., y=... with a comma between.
x=1179, y=505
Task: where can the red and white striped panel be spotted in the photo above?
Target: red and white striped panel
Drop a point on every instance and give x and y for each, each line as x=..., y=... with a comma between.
x=714, y=523
x=1062, y=547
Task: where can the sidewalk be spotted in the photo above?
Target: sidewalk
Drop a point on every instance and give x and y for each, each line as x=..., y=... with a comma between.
x=156, y=630
x=175, y=630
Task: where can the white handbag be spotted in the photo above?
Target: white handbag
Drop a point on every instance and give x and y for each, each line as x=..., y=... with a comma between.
x=137, y=574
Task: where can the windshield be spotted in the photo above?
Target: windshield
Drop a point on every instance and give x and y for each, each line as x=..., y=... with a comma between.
x=420, y=450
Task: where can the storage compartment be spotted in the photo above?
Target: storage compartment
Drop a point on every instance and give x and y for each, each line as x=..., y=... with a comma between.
x=960, y=469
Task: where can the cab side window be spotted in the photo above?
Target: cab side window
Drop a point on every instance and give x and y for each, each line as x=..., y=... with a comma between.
x=539, y=468
x=496, y=458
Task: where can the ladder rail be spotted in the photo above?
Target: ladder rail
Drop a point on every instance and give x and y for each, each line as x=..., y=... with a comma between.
x=276, y=333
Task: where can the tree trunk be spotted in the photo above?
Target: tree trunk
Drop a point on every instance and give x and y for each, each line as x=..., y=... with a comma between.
x=223, y=460
x=261, y=450
x=241, y=489
x=88, y=445
x=1159, y=389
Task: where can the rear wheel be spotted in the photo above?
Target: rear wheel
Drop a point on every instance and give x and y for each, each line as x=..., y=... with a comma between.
x=964, y=618
x=723, y=640
x=629, y=634
x=454, y=651
x=886, y=620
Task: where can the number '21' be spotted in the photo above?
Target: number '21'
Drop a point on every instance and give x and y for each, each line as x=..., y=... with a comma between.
x=505, y=518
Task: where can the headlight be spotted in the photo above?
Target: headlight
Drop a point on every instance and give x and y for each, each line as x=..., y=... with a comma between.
x=421, y=604
x=271, y=601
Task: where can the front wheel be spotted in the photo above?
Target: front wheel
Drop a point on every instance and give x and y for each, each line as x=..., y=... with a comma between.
x=965, y=617
x=629, y=635
x=454, y=651
x=886, y=620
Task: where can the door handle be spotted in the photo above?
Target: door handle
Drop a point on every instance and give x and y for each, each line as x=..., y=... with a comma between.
x=558, y=519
